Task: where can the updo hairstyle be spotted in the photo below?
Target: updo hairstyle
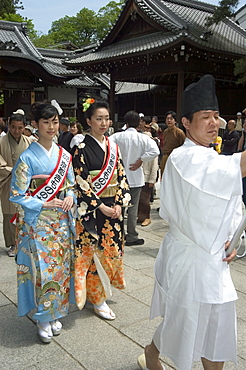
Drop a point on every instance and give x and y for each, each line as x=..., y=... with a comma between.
x=93, y=107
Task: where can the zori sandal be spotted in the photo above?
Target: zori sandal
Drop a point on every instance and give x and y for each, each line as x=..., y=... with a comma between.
x=142, y=362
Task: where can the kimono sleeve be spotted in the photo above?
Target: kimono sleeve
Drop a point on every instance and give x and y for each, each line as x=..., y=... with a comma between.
x=21, y=178
x=70, y=182
x=122, y=196
x=87, y=200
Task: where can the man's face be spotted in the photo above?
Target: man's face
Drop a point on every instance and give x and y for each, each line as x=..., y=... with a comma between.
x=16, y=128
x=1, y=120
x=170, y=121
x=204, y=127
x=231, y=125
x=62, y=127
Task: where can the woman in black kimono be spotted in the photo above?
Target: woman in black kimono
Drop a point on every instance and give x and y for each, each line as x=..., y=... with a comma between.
x=102, y=191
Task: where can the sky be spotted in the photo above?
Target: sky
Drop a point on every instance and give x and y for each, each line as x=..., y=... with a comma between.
x=44, y=12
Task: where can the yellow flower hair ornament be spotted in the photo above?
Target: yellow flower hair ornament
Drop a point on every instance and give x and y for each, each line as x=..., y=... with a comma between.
x=87, y=103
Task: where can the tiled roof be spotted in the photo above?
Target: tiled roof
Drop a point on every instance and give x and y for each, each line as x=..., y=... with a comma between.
x=83, y=81
x=15, y=32
x=128, y=47
x=182, y=18
x=15, y=42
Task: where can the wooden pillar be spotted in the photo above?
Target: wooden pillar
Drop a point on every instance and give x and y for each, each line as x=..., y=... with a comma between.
x=180, y=89
x=32, y=97
x=112, y=97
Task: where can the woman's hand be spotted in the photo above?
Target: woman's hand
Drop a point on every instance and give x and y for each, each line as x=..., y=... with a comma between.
x=231, y=256
x=107, y=211
x=54, y=203
x=117, y=211
x=67, y=203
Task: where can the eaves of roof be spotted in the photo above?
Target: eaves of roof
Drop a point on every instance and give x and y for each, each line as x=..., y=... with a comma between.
x=12, y=32
x=126, y=48
x=183, y=18
x=47, y=67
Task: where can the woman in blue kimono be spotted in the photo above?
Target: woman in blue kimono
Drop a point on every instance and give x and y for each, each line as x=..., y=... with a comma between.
x=42, y=188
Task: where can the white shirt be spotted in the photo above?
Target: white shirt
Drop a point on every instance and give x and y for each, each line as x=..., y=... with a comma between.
x=133, y=146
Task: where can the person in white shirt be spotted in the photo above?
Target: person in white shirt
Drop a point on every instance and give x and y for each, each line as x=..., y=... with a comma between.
x=135, y=148
x=201, y=200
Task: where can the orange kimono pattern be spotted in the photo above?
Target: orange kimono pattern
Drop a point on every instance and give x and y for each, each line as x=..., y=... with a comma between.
x=96, y=233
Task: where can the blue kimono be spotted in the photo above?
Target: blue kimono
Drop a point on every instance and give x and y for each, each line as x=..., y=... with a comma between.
x=45, y=238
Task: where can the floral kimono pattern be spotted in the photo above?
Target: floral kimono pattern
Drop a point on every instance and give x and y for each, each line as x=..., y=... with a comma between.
x=45, y=239
x=100, y=239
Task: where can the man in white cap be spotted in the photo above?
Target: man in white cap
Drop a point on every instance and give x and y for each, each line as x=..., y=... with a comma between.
x=19, y=111
x=11, y=146
x=239, y=123
x=201, y=200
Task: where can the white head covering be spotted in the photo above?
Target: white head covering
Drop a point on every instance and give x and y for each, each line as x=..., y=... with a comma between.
x=19, y=111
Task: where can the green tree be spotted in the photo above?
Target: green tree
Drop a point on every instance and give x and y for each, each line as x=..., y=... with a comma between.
x=32, y=33
x=10, y=7
x=43, y=41
x=225, y=9
x=107, y=16
x=79, y=29
x=82, y=29
x=240, y=70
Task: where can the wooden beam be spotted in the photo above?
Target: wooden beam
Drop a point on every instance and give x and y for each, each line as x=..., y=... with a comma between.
x=112, y=96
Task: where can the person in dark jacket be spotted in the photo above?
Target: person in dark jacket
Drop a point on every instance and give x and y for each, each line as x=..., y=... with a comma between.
x=65, y=135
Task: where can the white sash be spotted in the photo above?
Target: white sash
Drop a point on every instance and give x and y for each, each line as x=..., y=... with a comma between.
x=101, y=181
x=48, y=190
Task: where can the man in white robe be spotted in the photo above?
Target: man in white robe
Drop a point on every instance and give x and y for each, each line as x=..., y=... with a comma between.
x=200, y=199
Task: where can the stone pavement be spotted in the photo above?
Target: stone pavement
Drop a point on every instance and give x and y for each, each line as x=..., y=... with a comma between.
x=88, y=342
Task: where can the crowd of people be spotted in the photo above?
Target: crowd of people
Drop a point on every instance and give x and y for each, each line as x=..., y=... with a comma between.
x=64, y=207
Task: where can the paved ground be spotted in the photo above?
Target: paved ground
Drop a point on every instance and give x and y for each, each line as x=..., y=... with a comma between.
x=87, y=342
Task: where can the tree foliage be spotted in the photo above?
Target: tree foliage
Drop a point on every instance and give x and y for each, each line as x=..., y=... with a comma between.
x=107, y=16
x=225, y=9
x=80, y=29
x=87, y=26
x=240, y=70
x=10, y=7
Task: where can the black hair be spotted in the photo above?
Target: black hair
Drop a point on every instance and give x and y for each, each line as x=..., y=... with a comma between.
x=156, y=118
x=94, y=106
x=173, y=114
x=33, y=108
x=17, y=117
x=45, y=111
x=132, y=118
x=146, y=119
